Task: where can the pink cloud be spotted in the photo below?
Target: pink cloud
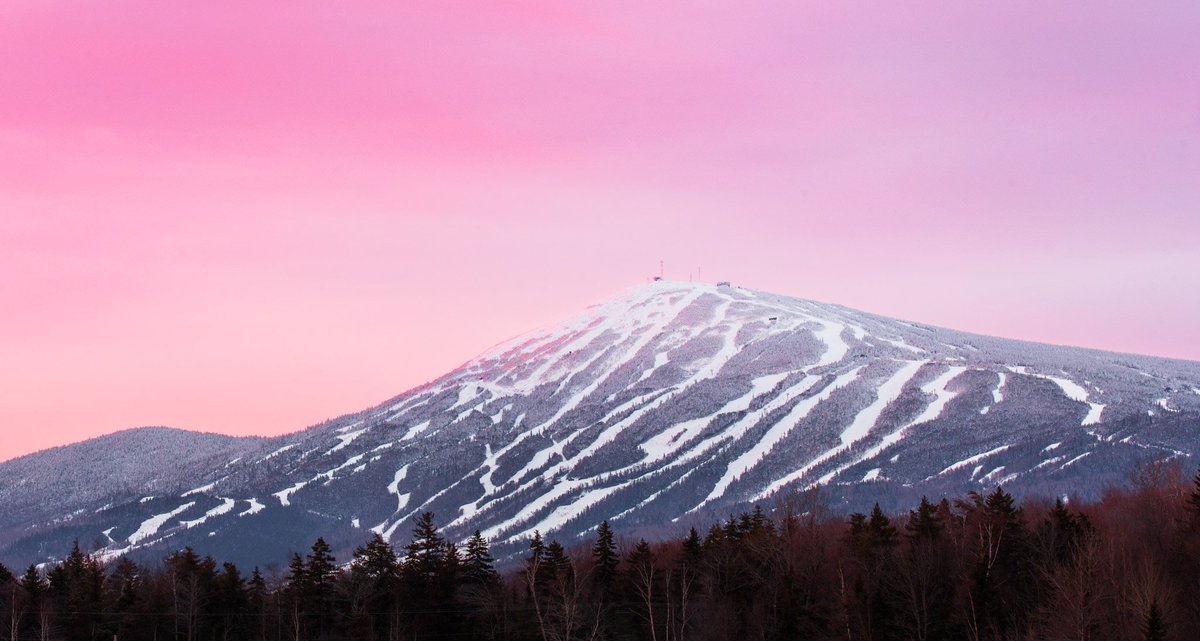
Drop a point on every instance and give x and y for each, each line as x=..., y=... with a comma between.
x=247, y=217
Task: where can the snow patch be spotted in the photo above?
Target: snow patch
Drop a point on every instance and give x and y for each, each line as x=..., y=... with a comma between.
x=285, y=495
x=150, y=526
x=255, y=508
x=970, y=460
x=202, y=488
x=346, y=439
x=415, y=430
x=886, y=393
x=225, y=507
x=277, y=452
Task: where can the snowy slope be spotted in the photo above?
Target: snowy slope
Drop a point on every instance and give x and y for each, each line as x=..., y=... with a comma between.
x=678, y=401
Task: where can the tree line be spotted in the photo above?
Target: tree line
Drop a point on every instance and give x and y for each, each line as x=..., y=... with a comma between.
x=981, y=568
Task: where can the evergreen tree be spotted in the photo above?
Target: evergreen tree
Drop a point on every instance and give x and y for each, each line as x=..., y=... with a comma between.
x=321, y=575
x=924, y=522
x=35, y=589
x=557, y=565
x=231, y=605
x=479, y=567
x=257, y=595
x=125, y=589
x=297, y=593
x=880, y=529
x=605, y=560
x=191, y=581
x=424, y=556
x=77, y=592
x=482, y=594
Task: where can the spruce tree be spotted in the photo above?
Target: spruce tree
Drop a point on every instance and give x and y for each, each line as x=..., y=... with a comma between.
x=924, y=522
x=424, y=555
x=604, y=556
x=479, y=568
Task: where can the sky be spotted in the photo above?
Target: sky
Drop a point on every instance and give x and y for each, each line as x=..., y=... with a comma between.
x=249, y=217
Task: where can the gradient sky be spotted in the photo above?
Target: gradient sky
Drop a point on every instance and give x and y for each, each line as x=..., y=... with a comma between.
x=247, y=217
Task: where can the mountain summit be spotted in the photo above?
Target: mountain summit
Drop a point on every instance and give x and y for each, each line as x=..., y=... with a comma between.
x=672, y=400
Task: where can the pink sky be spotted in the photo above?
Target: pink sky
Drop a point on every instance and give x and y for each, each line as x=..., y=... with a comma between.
x=247, y=217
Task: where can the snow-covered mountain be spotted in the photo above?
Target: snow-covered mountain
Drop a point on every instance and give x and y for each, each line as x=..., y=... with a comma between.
x=675, y=401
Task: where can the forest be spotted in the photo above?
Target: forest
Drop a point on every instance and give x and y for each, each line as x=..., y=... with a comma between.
x=981, y=567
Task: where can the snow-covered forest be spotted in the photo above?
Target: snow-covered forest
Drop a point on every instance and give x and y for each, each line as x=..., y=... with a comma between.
x=980, y=566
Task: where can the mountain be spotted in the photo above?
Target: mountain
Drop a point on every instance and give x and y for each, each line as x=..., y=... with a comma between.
x=671, y=403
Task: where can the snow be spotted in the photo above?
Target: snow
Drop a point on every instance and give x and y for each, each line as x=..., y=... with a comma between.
x=415, y=430
x=984, y=409
x=225, y=507
x=777, y=433
x=990, y=475
x=346, y=439
x=1073, y=461
x=900, y=344
x=202, y=488
x=1047, y=462
x=886, y=393
x=329, y=474
x=150, y=526
x=285, y=495
x=145, y=499
x=355, y=523
x=835, y=348
x=871, y=475
x=1162, y=402
x=394, y=488
x=1093, y=415
x=255, y=508
x=998, y=392
x=942, y=397
x=665, y=443
x=758, y=387
x=277, y=452
x=1051, y=446
x=970, y=460
x=1073, y=391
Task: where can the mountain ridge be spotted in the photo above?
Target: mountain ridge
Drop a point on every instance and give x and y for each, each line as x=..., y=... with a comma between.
x=679, y=399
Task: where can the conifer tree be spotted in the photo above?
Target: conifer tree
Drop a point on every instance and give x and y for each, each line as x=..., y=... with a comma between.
x=77, y=591
x=924, y=522
x=479, y=568
x=604, y=556
x=557, y=565
x=256, y=597
x=375, y=587
x=424, y=555
x=35, y=588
